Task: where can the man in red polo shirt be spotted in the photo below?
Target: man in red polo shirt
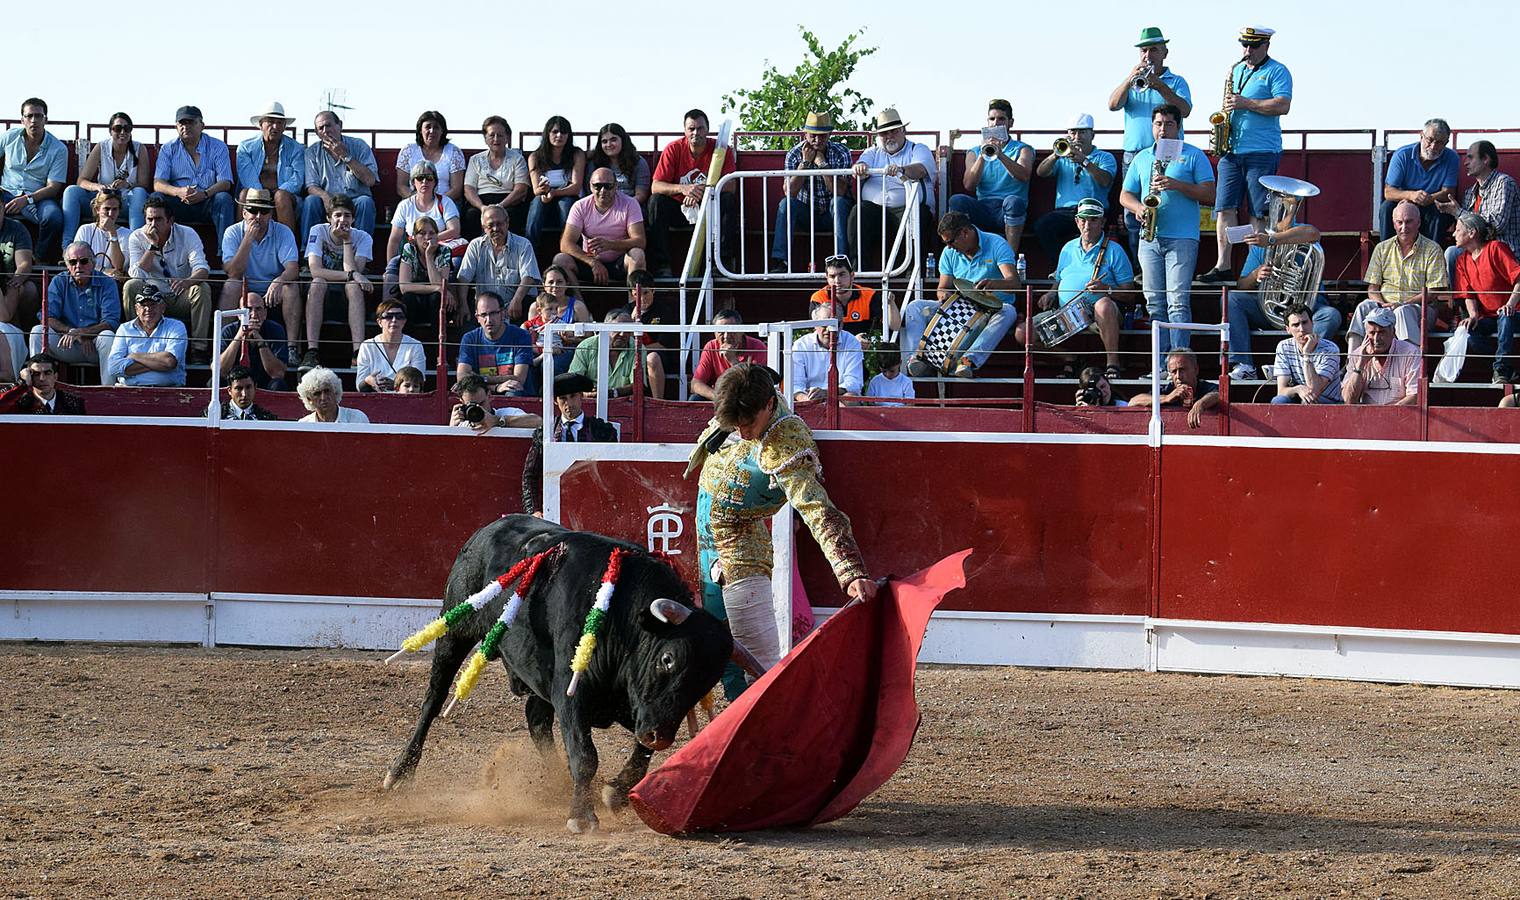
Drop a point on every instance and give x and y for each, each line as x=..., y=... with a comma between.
x=726, y=350
x=680, y=179
x=1488, y=282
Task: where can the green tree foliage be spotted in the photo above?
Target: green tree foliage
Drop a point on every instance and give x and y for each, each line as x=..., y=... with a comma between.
x=783, y=100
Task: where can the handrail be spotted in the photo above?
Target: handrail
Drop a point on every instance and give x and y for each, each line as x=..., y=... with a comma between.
x=1153, y=431
x=912, y=189
x=635, y=329
x=217, y=318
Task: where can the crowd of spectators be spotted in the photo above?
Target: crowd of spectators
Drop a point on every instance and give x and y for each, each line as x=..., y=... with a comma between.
x=476, y=234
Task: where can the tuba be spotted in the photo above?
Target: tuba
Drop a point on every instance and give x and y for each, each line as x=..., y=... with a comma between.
x=1219, y=122
x=1296, y=268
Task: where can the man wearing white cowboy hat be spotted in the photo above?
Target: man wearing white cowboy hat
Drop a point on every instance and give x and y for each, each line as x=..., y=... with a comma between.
x=261, y=260
x=275, y=162
x=828, y=197
x=884, y=196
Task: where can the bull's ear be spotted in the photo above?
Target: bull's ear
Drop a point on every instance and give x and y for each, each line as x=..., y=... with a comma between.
x=669, y=611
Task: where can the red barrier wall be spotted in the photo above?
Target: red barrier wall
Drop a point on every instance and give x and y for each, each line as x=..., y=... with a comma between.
x=1296, y=536
x=1338, y=537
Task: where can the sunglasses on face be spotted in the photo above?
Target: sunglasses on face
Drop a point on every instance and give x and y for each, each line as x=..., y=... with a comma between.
x=424, y=178
x=146, y=301
x=77, y=260
x=121, y=129
x=603, y=186
x=392, y=316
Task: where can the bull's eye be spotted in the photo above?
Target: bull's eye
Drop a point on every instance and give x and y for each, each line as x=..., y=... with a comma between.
x=667, y=661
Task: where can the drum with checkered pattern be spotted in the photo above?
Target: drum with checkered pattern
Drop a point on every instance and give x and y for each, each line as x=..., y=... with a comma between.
x=954, y=326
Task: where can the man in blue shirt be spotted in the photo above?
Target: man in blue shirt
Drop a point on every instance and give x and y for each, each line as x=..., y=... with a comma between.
x=150, y=349
x=194, y=174
x=1167, y=263
x=985, y=260
x=338, y=166
x=260, y=255
x=816, y=202
x=272, y=160
x=35, y=172
x=1260, y=93
x=1084, y=173
x=498, y=351
x=1091, y=270
x=1425, y=174
x=84, y=309
x=1245, y=304
x=1148, y=85
x=997, y=174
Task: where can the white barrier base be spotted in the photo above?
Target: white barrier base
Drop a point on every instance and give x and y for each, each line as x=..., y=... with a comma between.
x=953, y=637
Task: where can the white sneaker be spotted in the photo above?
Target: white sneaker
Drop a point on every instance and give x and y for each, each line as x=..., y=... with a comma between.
x=1242, y=372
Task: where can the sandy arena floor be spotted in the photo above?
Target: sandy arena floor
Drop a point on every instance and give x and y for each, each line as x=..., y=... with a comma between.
x=130, y=771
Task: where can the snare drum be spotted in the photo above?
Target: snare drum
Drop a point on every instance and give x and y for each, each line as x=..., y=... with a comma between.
x=1055, y=326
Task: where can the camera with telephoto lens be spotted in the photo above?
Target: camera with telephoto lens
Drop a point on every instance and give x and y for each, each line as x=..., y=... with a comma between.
x=474, y=413
x=1090, y=396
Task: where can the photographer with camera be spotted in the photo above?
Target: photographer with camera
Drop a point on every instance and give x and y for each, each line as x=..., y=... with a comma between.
x=474, y=409
x=571, y=425
x=1093, y=389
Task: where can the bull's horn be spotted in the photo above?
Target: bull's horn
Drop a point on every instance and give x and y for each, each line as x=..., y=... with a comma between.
x=669, y=611
x=745, y=660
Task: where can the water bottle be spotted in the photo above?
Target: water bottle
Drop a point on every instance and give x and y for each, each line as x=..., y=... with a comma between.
x=931, y=268
x=1023, y=267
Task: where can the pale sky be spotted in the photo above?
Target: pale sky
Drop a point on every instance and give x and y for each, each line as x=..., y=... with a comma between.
x=595, y=61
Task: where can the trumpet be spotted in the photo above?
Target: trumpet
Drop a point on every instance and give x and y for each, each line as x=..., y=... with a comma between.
x=1143, y=79
x=1152, y=204
x=1062, y=147
x=1219, y=123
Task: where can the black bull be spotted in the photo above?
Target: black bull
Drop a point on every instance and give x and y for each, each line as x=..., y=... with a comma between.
x=645, y=674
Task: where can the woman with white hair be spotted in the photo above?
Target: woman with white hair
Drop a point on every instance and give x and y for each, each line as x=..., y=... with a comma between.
x=322, y=392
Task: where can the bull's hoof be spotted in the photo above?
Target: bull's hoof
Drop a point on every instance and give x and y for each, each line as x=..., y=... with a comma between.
x=587, y=825
x=392, y=781
x=614, y=798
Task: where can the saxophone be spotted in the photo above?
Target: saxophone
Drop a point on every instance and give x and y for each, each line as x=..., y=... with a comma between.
x=1219, y=122
x=1152, y=205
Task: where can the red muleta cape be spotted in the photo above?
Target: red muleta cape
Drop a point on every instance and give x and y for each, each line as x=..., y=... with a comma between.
x=822, y=730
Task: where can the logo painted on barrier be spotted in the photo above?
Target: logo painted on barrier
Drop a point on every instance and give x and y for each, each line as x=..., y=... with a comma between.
x=663, y=529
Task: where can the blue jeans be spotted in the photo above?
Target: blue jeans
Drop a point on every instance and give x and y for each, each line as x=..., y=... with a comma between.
x=218, y=211
x=314, y=212
x=1238, y=175
x=1169, y=261
x=1504, y=328
x=76, y=208
x=916, y=319
x=1281, y=399
x=799, y=224
x=543, y=216
x=48, y=217
x=992, y=215
x=1245, y=314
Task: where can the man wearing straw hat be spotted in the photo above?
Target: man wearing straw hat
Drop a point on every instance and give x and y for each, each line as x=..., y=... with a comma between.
x=275, y=162
x=884, y=197
x=260, y=258
x=813, y=202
